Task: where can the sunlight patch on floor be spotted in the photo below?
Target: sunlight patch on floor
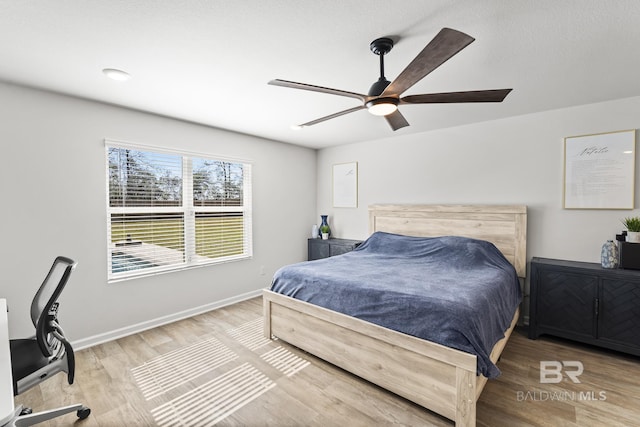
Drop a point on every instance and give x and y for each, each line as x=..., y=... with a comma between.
x=250, y=334
x=284, y=361
x=215, y=400
x=173, y=369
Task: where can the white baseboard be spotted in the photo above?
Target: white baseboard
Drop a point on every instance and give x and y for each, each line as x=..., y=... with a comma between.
x=139, y=327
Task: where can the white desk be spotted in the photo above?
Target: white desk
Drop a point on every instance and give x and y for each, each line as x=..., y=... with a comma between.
x=6, y=381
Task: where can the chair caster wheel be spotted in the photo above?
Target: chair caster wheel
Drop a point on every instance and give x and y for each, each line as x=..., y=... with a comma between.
x=26, y=411
x=83, y=412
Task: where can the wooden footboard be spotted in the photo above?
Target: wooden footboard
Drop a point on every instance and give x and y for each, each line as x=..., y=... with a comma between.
x=436, y=377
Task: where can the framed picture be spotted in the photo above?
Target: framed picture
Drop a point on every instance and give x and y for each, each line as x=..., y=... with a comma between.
x=345, y=185
x=599, y=170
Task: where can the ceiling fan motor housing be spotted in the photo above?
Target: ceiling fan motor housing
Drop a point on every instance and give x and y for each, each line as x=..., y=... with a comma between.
x=378, y=87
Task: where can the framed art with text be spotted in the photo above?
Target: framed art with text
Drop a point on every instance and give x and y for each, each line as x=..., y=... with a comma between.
x=599, y=170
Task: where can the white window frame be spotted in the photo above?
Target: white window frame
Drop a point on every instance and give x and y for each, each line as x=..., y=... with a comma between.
x=188, y=210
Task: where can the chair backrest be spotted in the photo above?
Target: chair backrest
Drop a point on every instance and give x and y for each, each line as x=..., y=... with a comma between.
x=45, y=299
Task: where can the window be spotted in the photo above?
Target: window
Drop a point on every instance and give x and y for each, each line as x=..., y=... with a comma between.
x=169, y=211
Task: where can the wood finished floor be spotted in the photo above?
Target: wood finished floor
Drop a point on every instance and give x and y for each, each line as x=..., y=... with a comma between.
x=109, y=379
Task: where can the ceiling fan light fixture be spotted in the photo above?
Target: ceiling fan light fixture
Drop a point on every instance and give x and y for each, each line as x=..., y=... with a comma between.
x=382, y=106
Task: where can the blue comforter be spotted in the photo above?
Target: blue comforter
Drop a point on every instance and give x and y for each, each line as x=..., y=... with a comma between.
x=455, y=291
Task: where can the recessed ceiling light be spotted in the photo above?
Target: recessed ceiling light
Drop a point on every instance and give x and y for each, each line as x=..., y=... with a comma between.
x=296, y=127
x=115, y=74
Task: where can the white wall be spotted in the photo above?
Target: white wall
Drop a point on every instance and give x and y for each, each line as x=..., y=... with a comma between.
x=53, y=198
x=54, y=203
x=512, y=161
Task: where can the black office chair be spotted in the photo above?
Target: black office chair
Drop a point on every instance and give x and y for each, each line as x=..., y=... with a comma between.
x=35, y=359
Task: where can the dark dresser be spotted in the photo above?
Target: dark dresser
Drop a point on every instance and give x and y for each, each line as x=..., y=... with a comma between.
x=584, y=302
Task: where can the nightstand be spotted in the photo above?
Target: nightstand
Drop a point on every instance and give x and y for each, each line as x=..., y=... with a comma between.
x=319, y=248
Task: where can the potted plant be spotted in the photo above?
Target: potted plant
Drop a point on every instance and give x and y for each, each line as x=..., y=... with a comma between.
x=632, y=224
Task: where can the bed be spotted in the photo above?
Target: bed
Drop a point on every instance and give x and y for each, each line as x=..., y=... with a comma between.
x=439, y=378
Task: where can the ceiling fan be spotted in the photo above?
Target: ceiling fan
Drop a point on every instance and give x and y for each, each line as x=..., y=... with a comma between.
x=384, y=98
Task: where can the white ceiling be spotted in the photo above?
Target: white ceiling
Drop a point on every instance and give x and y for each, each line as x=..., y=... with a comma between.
x=209, y=61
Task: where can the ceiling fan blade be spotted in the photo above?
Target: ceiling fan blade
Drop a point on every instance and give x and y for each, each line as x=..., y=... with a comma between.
x=444, y=45
x=333, y=116
x=396, y=120
x=314, y=88
x=493, y=95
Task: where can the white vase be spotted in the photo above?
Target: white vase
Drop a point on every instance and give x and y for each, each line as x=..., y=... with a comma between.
x=633, y=236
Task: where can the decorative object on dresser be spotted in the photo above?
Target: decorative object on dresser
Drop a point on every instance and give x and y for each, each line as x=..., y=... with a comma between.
x=584, y=302
x=629, y=256
x=609, y=256
x=324, y=230
x=632, y=224
x=439, y=378
x=318, y=249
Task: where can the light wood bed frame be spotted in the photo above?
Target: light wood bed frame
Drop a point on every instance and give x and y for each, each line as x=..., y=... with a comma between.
x=436, y=377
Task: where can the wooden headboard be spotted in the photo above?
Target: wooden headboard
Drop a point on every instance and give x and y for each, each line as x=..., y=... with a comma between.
x=503, y=225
